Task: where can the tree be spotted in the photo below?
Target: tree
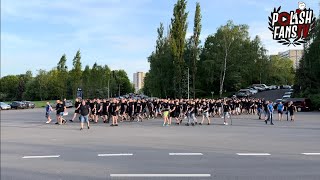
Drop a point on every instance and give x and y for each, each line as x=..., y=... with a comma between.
x=178, y=32
x=76, y=72
x=62, y=77
x=196, y=41
x=230, y=36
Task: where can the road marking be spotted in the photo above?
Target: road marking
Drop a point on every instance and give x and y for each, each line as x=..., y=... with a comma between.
x=311, y=154
x=108, y=155
x=253, y=154
x=160, y=175
x=185, y=154
x=38, y=157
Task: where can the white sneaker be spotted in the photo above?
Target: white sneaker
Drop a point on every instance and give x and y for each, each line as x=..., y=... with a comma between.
x=222, y=117
x=226, y=124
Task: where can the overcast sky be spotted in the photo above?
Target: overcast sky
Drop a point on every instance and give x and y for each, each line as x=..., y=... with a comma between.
x=119, y=33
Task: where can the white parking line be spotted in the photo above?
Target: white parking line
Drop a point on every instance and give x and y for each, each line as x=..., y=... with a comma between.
x=160, y=175
x=39, y=157
x=108, y=155
x=185, y=154
x=253, y=154
x=311, y=154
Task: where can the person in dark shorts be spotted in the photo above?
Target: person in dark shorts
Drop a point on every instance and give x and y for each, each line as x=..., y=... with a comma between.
x=138, y=111
x=205, y=113
x=113, y=112
x=59, y=112
x=77, y=105
x=172, y=108
x=98, y=110
x=291, y=109
x=280, y=108
x=104, y=110
x=84, y=112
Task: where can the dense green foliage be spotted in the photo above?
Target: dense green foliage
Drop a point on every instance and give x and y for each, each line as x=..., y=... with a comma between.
x=227, y=61
x=308, y=73
x=60, y=82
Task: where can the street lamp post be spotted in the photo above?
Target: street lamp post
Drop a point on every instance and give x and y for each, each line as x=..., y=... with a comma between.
x=212, y=94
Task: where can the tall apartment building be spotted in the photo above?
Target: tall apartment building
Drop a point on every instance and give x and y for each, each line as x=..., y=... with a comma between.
x=138, y=80
x=294, y=55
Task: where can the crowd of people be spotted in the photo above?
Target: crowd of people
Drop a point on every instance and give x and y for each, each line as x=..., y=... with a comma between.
x=193, y=111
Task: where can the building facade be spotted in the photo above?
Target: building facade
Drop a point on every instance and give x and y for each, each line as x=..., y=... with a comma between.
x=294, y=55
x=138, y=80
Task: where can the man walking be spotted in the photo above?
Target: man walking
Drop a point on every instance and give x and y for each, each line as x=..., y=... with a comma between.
x=270, y=112
x=84, y=112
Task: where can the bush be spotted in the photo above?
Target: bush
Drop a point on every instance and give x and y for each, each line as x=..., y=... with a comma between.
x=315, y=100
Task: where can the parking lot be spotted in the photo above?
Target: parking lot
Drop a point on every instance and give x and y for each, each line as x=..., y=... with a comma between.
x=249, y=149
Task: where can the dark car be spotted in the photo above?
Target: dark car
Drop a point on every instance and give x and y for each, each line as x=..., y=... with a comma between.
x=18, y=105
x=302, y=104
x=29, y=104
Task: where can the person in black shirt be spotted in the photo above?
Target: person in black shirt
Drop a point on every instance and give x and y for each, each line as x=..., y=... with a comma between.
x=172, y=108
x=259, y=108
x=93, y=110
x=98, y=110
x=165, y=111
x=131, y=110
x=291, y=109
x=58, y=110
x=104, y=110
x=226, y=112
x=84, y=112
x=76, y=112
x=205, y=113
x=138, y=111
x=113, y=112
x=191, y=114
x=123, y=110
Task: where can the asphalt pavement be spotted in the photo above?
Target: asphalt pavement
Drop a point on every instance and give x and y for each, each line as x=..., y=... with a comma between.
x=248, y=149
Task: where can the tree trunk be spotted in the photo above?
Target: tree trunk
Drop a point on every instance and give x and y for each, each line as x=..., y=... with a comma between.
x=223, y=74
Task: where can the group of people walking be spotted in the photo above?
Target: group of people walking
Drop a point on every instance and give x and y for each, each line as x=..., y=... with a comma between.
x=194, y=111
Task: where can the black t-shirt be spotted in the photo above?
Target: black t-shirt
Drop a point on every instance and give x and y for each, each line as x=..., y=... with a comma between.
x=172, y=106
x=112, y=107
x=76, y=104
x=98, y=105
x=104, y=107
x=226, y=108
x=60, y=108
x=204, y=108
x=165, y=106
x=138, y=108
x=259, y=104
x=84, y=110
x=91, y=105
x=131, y=104
x=123, y=106
x=144, y=104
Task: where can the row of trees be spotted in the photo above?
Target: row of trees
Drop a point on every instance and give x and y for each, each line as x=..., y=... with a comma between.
x=60, y=82
x=228, y=60
x=308, y=73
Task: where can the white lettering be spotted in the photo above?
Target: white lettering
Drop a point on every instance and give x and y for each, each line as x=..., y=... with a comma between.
x=274, y=18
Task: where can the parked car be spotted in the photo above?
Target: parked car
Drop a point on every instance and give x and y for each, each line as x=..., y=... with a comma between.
x=273, y=87
x=288, y=93
x=263, y=86
x=243, y=93
x=4, y=106
x=302, y=104
x=253, y=90
x=29, y=104
x=18, y=105
x=286, y=97
x=285, y=87
x=69, y=104
x=259, y=89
